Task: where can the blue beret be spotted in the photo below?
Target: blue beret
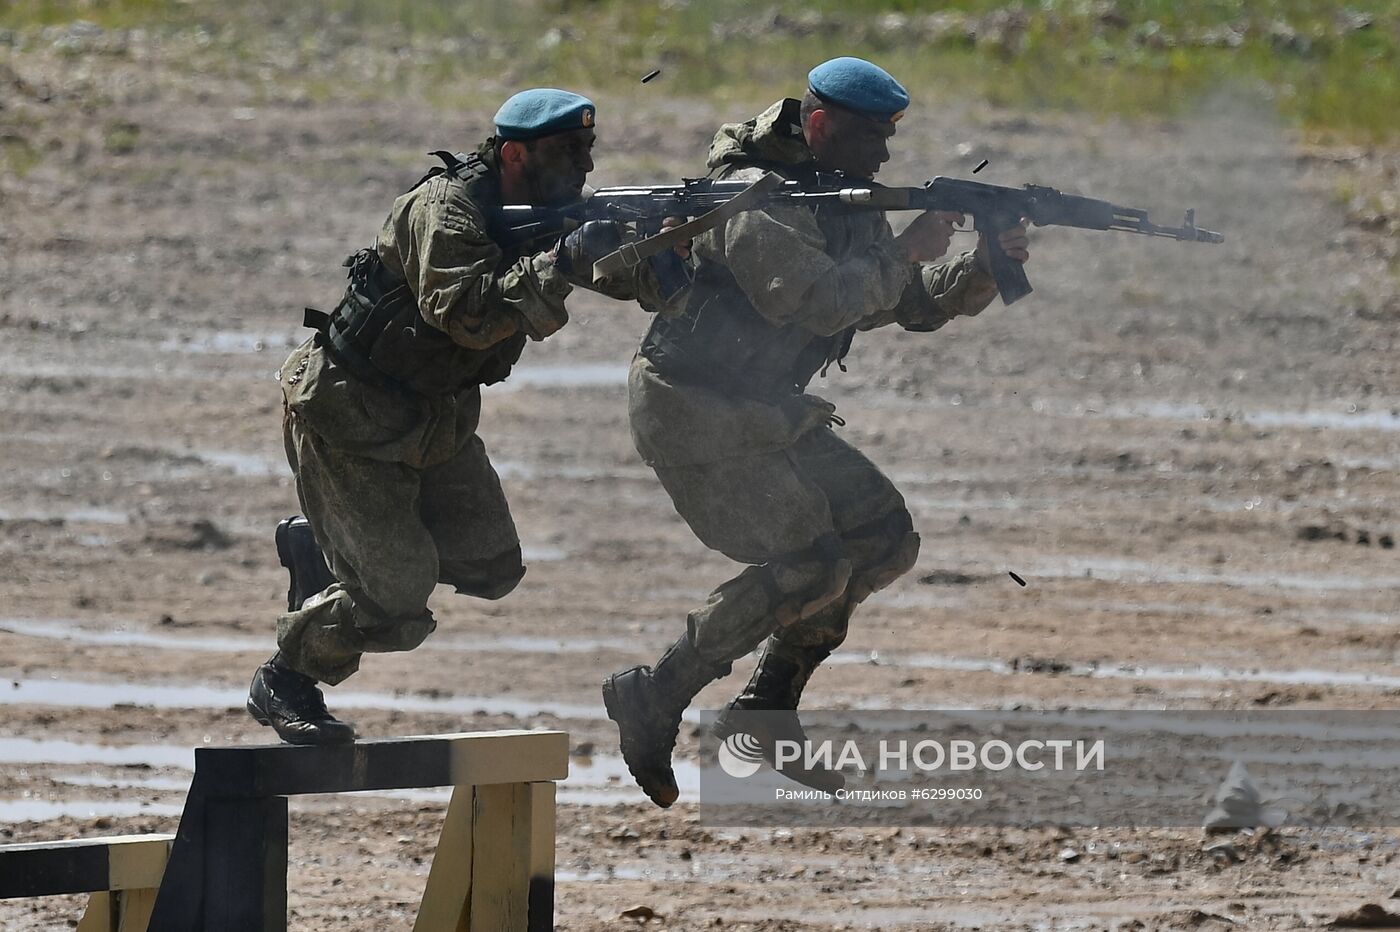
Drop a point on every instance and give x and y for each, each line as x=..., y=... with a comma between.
x=543, y=111
x=856, y=84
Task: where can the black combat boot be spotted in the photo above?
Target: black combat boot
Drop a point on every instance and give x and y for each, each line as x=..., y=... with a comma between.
x=290, y=702
x=775, y=690
x=297, y=549
x=647, y=705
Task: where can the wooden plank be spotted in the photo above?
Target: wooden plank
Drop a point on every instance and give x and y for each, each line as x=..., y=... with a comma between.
x=75, y=866
x=245, y=869
x=394, y=763
x=181, y=893
x=97, y=917
x=444, y=905
x=543, y=757
x=118, y=911
x=134, y=910
x=500, y=884
x=138, y=864
x=541, y=896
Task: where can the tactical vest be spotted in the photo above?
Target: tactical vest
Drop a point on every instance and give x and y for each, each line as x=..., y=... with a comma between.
x=378, y=335
x=720, y=340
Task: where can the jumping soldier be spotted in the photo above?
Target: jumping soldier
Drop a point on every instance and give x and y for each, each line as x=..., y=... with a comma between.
x=719, y=410
x=382, y=406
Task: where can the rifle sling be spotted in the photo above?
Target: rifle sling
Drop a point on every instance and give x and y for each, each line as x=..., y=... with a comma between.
x=632, y=254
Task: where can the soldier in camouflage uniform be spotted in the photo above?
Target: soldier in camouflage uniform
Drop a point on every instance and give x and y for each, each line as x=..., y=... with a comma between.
x=719, y=410
x=382, y=406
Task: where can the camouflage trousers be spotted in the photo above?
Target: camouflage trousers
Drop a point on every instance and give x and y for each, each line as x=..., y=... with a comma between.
x=390, y=533
x=822, y=527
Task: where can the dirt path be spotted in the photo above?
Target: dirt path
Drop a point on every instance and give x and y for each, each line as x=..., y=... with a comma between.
x=1190, y=454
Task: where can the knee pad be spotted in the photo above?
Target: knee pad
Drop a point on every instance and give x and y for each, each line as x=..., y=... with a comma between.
x=896, y=551
x=485, y=579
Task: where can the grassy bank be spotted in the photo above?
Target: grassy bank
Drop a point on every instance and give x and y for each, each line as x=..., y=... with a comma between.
x=1331, y=70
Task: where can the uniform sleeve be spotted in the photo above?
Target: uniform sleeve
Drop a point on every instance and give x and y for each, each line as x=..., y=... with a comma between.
x=957, y=288
x=777, y=255
x=454, y=268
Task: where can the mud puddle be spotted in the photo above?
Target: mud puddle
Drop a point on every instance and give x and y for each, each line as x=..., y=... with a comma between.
x=516, y=469
x=71, y=516
x=97, y=695
x=564, y=375
x=43, y=810
x=1112, y=569
x=121, y=634
x=1350, y=418
x=1206, y=673
x=230, y=342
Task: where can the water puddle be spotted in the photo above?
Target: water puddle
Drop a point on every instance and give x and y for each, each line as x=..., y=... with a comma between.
x=1113, y=569
x=44, y=751
x=45, y=810
x=566, y=375
x=120, y=635
x=229, y=342
x=1350, y=419
x=1205, y=672
x=1194, y=609
x=65, y=372
x=515, y=469
x=91, y=695
x=72, y=516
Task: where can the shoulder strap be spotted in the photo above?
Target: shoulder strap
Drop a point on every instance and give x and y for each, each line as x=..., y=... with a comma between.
x=463, y=166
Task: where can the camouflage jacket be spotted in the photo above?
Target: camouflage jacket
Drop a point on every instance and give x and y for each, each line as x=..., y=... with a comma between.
x=482, y=298
x=778, y=294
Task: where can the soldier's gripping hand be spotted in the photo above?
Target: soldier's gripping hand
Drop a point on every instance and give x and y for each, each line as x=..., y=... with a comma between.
x=1015, y=242
x=576, y=252
x=929, y=236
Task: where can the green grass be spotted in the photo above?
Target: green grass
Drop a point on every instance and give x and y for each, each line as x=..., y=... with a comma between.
x=1138, y=58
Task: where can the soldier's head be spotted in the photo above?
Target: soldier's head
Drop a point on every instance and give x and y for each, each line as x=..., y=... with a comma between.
x=849, y=114
x=544, y=143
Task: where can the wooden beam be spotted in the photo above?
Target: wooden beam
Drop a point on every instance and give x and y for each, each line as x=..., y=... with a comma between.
x=445, y=897
x=118, y=911
x=500, y=881
x=134, y=910
x=395, y=763
x=245, y=865
x=83, y=865
x=541, y=897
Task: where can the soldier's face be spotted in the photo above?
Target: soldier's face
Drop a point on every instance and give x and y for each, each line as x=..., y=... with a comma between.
x=556, y=167
x=849, y=143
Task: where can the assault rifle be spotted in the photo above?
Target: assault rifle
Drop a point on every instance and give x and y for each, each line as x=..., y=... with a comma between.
x=993, y=208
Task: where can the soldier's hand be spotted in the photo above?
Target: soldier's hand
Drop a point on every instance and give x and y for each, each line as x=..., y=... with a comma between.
x=929, y=236
x=681, y=249
x=577, y=251
x=1015, y=242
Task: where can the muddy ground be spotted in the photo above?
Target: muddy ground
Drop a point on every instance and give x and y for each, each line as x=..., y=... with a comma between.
x=1191, y=454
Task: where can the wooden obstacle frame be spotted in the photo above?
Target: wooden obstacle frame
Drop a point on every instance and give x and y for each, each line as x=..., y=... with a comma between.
x=120, y=873
x=226, y=869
